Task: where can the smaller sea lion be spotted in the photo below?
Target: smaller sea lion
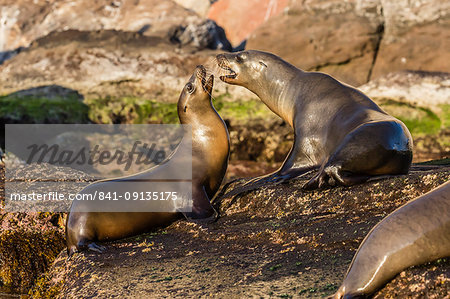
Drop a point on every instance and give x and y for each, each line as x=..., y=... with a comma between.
x=210, y=153
x=416, y=233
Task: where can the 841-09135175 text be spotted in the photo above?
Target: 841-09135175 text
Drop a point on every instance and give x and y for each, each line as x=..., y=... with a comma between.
x=59, y=196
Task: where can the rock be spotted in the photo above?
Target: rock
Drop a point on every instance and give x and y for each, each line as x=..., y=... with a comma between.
x=201, y=7
x=57, y=105
x=29, y=242
x=422, y=47
x=240, y=18
x=5, y=55
x=358, y=40
x=130, y=64
x=418, y=88
x=48, y=92
x=335, y=41
x=267, y=140
x=400, y=16
x=25, y=22
x=202, y=36
x=275, y=241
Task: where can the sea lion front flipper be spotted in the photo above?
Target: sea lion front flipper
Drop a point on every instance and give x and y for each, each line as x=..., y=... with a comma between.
x=202, y=210
x=274, y=178
x=278, y=177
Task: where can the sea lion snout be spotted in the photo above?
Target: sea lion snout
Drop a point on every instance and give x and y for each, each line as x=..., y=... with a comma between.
x=206, y=81
x=227, y=71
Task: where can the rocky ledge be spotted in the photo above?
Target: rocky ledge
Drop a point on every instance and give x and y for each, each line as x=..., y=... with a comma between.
x=275, y=241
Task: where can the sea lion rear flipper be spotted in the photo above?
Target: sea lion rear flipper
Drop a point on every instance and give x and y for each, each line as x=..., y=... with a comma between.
x=97, y=248
x=336, y=174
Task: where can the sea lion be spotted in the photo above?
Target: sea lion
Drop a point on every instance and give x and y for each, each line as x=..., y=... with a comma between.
x=210, y=153
x=416, y=233
x=337, y=128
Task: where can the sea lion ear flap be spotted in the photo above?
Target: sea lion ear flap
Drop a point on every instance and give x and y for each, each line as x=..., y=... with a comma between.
x=209, y=84
x=262, y=63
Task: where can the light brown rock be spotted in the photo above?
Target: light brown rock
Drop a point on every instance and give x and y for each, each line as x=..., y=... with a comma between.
x=422, y=47
x=103, y=63
x=240, y=18
x=358, y=40
x=342, y=45
x=25, y=21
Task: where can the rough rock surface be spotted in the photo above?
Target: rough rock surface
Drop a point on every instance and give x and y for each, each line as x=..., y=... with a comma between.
x=29, y=242
x=358, y=40
x=110, y=63
x=425, y=89
x=342, y=45
x=422, y=47
x=201, y=7
x=203, y=35
x=25, y=22
x=276, y=241
x=130, y=64
x=240, y=18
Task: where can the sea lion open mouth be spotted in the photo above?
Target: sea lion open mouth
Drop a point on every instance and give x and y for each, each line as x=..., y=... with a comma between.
x=202, y=75
x=232, y=75
x=225, y=65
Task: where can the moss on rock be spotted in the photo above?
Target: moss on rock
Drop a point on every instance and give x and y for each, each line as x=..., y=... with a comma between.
x=31, y=109
x=419, y=120
x=25, y=254
x=130, y=110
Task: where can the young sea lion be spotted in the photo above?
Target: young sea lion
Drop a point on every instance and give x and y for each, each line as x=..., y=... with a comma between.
x=337, y=128
x=210, y=153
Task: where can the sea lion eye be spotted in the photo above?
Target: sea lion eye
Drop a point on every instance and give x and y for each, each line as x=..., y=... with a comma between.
x=240, y=57
x=190, y=87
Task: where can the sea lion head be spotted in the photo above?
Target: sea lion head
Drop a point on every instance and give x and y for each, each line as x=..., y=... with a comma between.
x=246, y=68
x=196, y=95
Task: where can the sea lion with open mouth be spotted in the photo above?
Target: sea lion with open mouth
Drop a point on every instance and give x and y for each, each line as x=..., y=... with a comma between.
x=337, y=128
x=210, y=153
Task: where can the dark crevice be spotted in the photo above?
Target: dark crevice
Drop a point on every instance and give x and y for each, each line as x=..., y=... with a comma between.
x=321, y=66
x=380, y=33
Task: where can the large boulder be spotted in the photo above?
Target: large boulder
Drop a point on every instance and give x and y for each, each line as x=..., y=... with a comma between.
x=424, y=89
x=27, y=21
x=358, y=40
x=342, y=44
x=130, y=64
x=23, y=22
x=422, y=47
x=201, y=7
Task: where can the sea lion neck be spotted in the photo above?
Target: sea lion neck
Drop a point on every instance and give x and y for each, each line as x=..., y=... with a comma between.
x=276, y=92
